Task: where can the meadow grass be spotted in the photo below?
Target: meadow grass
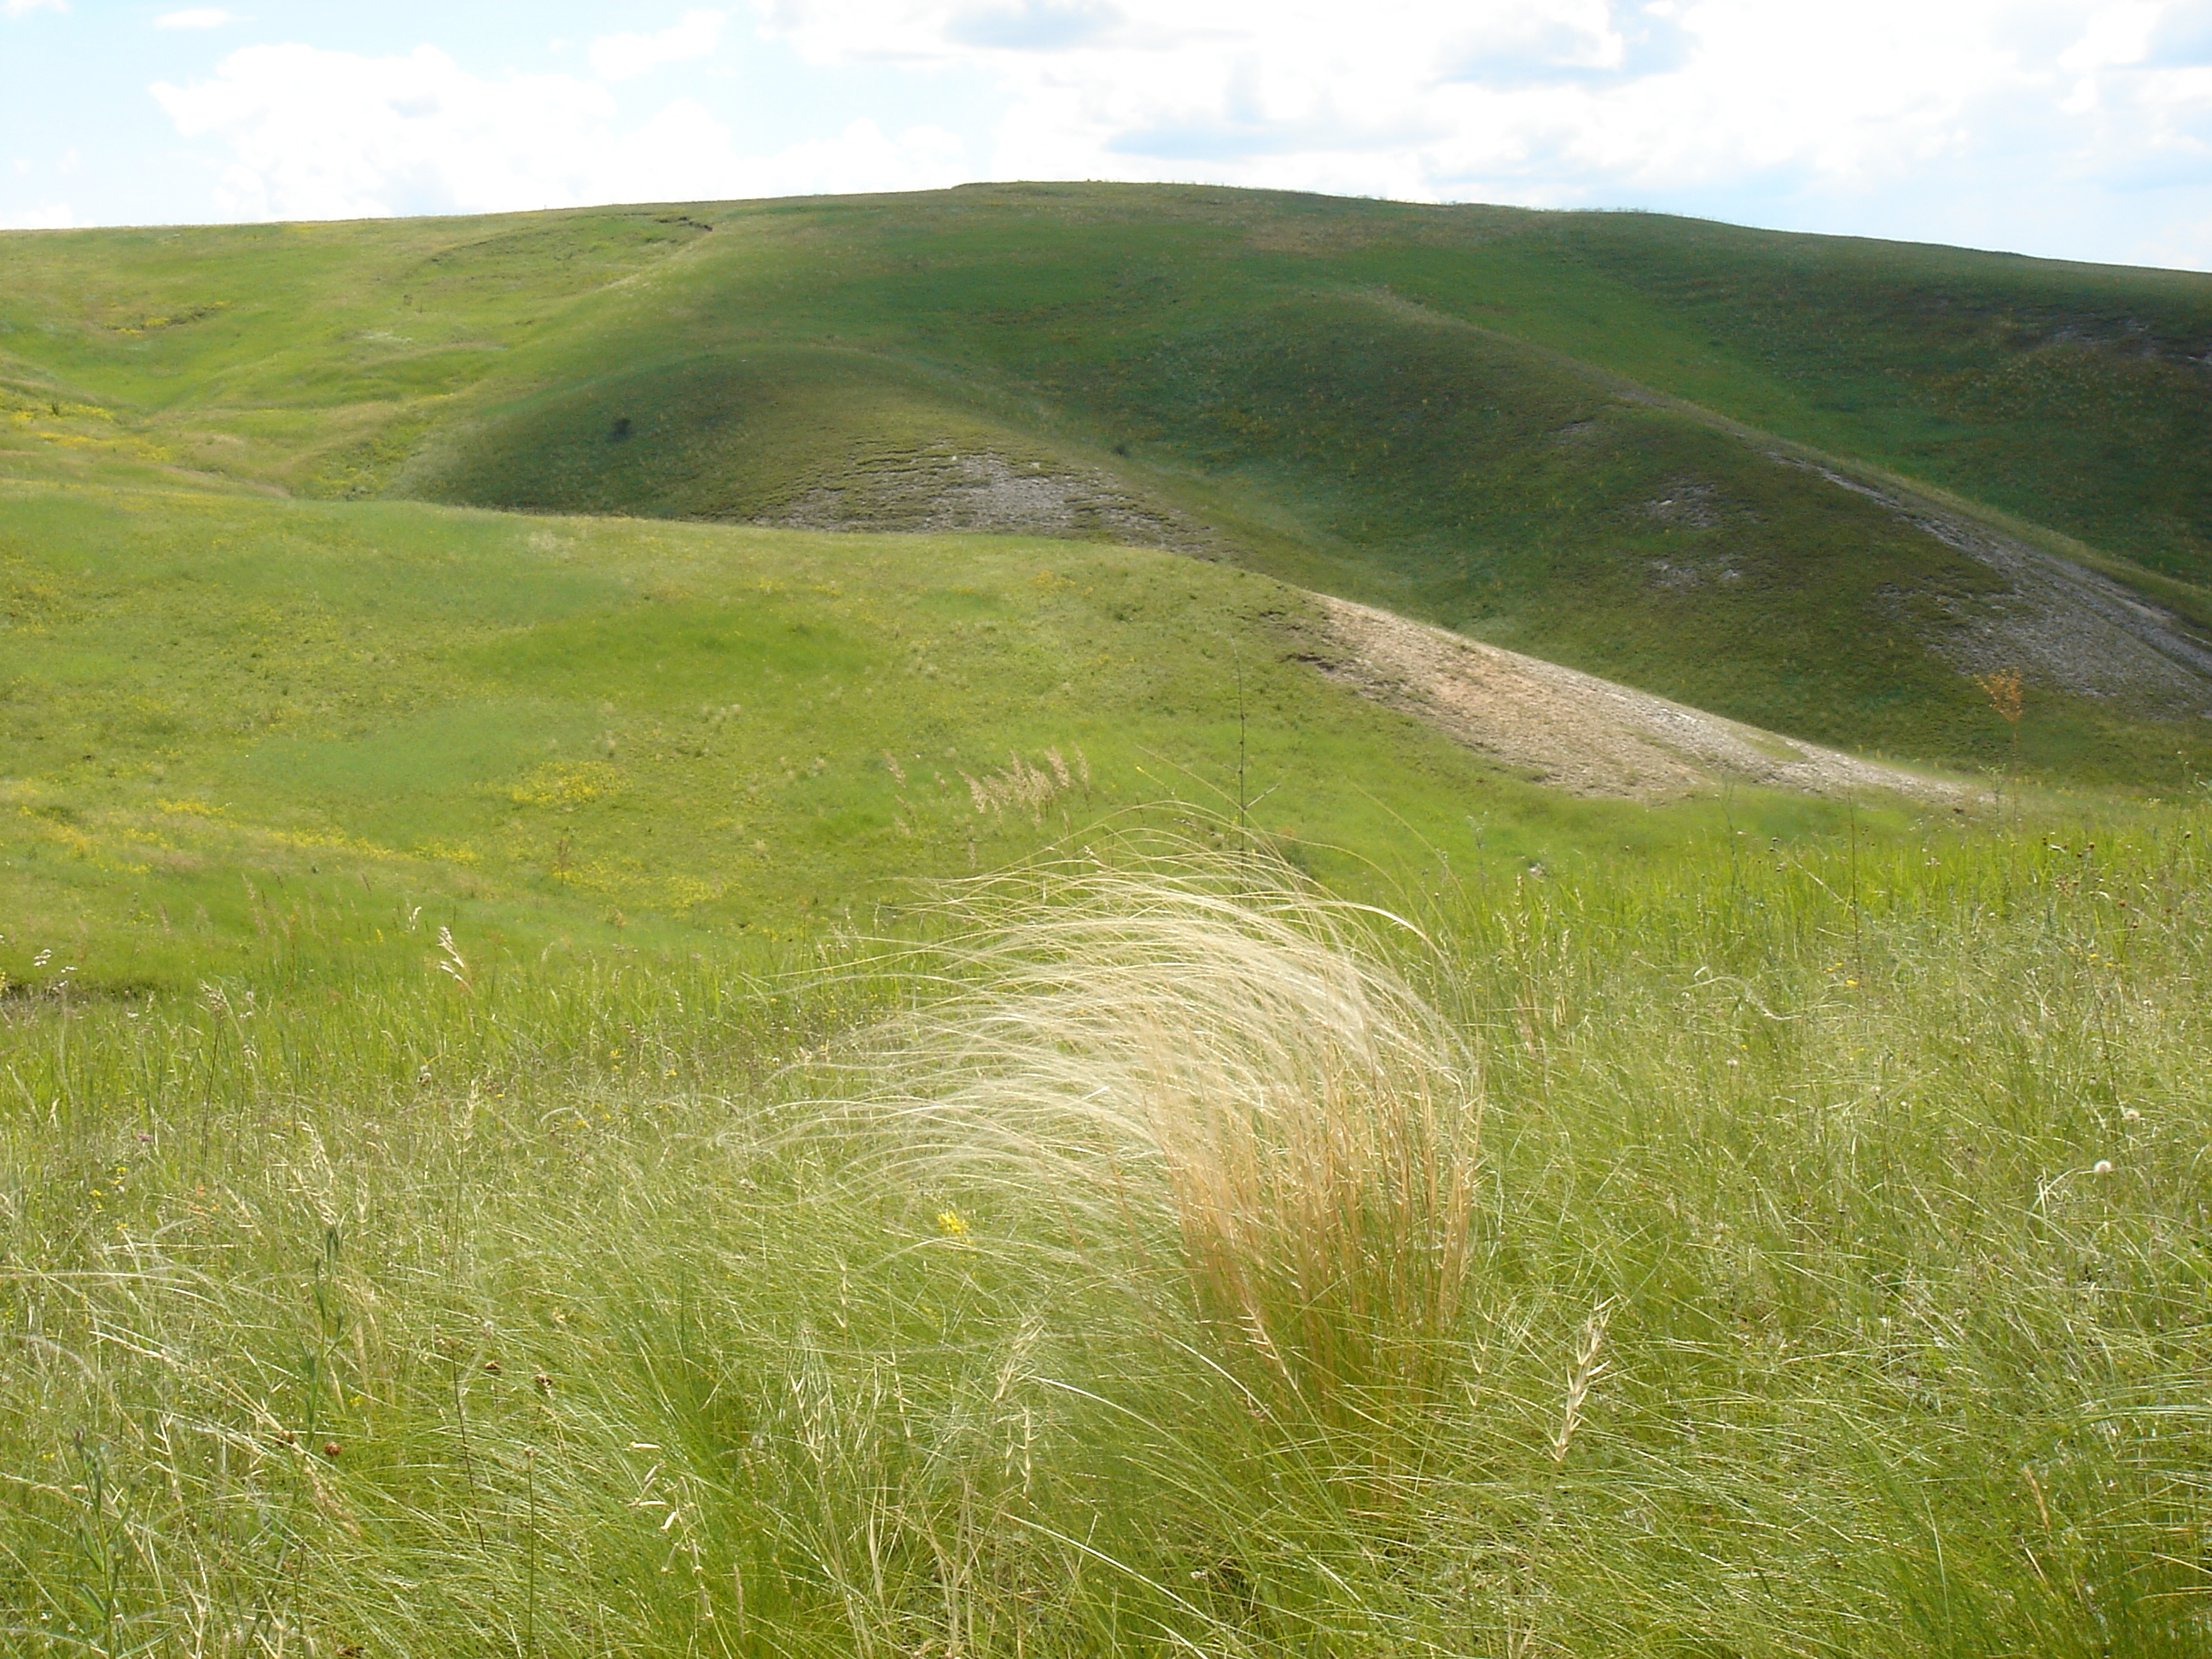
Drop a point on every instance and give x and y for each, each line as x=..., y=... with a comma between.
x=1833, y=1278
x=526, y=1134
x=1197, y=1049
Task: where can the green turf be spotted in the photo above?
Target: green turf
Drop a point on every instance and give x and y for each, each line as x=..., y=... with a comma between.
x=579, y=726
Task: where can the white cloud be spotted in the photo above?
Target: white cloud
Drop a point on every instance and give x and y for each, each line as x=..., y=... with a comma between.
x=54, y=216
x=197, y=17
x=622, y=56
x=1555, y=95
x=24, y=8
x=2075, y=126
x=2112, y=35
x=1563, y=101
x=313, y=134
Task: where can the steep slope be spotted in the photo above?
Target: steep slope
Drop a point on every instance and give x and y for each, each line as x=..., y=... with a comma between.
x=1667, y=453
x=2076, y=395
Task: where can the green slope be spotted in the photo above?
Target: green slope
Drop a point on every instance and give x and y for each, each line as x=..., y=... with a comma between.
x=1579, y=435
x=241, y=731
x=2073, y=395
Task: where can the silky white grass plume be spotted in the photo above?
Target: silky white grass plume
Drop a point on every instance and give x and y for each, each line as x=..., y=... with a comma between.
x=1206, y=1055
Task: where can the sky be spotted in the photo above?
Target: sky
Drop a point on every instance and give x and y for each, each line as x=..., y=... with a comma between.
x=2075, y=129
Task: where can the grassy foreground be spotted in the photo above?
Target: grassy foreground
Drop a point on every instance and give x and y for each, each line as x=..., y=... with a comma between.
x=1824, y=1225
x=470, y=1185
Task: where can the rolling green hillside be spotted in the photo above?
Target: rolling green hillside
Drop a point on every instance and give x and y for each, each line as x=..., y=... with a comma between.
x=1641, y=446
x=1106, y=420
x=245, y=731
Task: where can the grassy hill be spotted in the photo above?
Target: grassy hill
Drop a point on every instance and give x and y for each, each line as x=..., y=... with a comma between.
x=236, y=725
x=1613, y=439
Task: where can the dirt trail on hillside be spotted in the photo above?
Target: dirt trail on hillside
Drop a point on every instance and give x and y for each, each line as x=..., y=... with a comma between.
x=1578, y=732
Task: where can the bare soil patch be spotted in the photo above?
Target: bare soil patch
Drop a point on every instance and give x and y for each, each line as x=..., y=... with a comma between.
x=2060, y=621
x=1578, y=732
x=940, y=492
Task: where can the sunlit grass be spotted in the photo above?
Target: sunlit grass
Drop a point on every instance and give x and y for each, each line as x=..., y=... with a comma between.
x=234, y=723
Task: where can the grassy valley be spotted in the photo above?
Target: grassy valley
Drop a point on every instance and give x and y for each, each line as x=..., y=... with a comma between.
x=709, y=945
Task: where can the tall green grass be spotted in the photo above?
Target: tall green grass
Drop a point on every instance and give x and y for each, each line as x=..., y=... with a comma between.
x=1834, y=1281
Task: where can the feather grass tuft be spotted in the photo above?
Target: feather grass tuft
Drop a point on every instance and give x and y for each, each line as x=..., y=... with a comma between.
x=1205, y=1057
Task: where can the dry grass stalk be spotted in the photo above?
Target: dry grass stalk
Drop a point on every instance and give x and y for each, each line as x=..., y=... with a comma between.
x=1020, y=785
x=451, y=962
x=2002, y=687
x=1214, y=1057
x=1587, y=1368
